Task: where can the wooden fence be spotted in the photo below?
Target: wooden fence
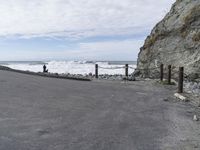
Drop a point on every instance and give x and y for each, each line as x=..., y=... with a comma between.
x=169, y=74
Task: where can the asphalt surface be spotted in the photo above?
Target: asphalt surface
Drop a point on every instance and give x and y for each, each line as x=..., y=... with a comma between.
x=38, y=113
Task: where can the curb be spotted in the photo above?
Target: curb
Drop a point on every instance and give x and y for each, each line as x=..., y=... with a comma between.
x=44, y=74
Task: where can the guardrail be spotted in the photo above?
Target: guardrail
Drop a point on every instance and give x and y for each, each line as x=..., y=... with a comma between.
x=161, y=68
x=126, y=67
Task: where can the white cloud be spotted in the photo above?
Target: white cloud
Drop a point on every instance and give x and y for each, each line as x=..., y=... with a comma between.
x=108, y=50
x=79, y=18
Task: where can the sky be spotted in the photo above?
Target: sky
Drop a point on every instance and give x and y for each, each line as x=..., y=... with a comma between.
x=77, y=29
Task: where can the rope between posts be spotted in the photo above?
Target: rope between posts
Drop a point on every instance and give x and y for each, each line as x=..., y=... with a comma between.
x=111, y=67
x=172, y=72
x=131, y=67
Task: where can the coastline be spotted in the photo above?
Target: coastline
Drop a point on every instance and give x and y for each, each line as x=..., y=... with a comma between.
x=87, y=77
x=50, y=75
x=72, y=67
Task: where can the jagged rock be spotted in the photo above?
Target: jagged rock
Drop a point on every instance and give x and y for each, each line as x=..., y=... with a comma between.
x=174, y=41
x=131, y=78
x=195, y=118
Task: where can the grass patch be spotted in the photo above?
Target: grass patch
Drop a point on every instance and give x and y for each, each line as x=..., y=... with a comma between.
x=151, y=40
x=196, y=37
x=183, y=31
x=193, y=15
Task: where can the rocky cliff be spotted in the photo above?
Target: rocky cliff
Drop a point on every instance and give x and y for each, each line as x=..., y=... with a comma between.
x=174, y=41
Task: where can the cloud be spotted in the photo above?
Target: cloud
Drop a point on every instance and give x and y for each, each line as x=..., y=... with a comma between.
x=117, y=50
x=79, y=18
x=107, y=50
x=77, y=29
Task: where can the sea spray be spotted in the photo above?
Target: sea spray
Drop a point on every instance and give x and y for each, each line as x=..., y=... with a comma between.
x=74, y=67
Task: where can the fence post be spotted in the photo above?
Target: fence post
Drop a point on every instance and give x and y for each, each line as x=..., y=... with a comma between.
x=161, y=72
x=169, y=74
x=180, y=80
x=96, y=71
x=126, y=70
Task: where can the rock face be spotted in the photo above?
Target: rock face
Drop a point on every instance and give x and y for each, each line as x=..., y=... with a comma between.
x=174, y=41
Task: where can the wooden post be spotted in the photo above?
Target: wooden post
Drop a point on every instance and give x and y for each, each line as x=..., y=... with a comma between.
x=96, y=71
x=126, y=70
x=180, y=80
x=169, y=74
x=161, y=72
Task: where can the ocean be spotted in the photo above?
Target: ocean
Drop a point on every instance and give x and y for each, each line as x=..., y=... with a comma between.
x=72, y=67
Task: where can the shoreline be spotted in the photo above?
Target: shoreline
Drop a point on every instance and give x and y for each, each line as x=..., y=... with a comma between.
x=49, y=75
x=88, y=77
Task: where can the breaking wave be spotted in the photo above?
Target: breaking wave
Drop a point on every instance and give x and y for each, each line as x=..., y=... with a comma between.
x=72, y=67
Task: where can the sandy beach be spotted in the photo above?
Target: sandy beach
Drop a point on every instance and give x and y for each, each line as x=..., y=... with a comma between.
x=39, y=113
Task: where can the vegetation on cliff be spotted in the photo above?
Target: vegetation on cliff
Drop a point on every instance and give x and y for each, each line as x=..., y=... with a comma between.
x=174, y=41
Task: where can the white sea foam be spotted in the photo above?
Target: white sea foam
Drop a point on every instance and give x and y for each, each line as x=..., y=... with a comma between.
x=72, y=67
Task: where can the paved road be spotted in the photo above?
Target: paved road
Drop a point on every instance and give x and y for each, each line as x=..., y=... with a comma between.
x=38, y=113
